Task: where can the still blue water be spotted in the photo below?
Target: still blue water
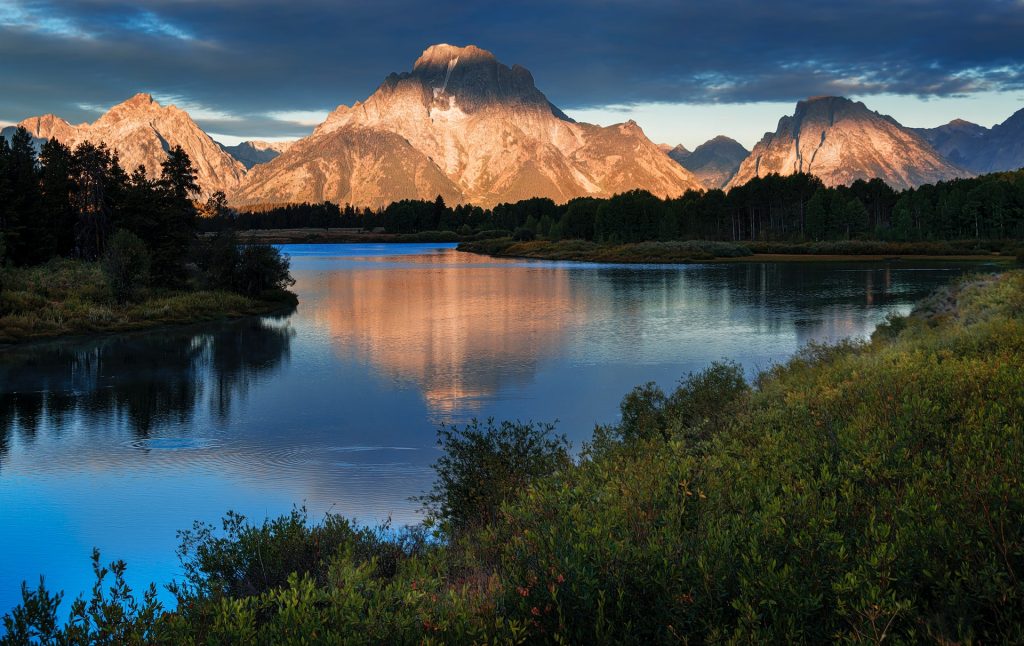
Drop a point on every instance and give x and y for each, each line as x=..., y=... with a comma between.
x=120, y=441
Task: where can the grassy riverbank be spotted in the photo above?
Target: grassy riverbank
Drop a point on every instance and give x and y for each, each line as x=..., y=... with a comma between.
x=865, y=492
x=69, y=297
x=711, y=251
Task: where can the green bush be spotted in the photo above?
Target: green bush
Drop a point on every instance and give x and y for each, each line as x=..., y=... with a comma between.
x=126, y=266
x=484, y=464
x=111, y=615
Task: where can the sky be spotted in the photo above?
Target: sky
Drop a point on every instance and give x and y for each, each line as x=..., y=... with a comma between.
x=685, y=70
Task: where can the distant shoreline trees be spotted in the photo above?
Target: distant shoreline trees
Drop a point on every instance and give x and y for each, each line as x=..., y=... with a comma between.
x=792, y=208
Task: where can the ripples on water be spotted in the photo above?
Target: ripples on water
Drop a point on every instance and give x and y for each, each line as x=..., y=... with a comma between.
x=121, y=441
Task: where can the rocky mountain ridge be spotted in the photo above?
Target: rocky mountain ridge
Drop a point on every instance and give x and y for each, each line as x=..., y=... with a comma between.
x=981, y=149
x=253, y=152
x=714, y=162
x=469, y=128
x=840, y=141
x=142, y=131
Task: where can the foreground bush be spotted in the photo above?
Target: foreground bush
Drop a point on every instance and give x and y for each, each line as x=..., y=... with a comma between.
x=865, y=492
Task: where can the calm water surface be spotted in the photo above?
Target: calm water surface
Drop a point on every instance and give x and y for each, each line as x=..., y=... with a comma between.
x=119, y=442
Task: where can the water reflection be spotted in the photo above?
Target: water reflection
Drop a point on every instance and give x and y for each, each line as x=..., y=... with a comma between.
x=461, y=335
x=135, y=385
x=120, y=442
x=467, y=330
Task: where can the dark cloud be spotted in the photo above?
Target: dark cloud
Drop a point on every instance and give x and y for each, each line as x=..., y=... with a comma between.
x=244, y=59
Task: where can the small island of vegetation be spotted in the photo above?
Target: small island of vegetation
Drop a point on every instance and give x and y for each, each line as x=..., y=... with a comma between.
x=87, y=248
x=864, y=492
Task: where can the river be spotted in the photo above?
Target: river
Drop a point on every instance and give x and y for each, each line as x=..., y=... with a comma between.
x=118, y=442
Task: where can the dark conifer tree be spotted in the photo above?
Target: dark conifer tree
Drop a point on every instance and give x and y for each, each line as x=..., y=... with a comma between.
x=23, y=226
x=58, y=192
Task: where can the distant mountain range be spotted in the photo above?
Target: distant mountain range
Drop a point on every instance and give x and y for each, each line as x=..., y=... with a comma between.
x=980, y=149
x=714, y=162
x=252, y=153
x=465, y=126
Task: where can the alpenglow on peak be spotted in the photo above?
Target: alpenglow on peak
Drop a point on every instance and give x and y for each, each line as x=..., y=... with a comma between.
x=465, y=126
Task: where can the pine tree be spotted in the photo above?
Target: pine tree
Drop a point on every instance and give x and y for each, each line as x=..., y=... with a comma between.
x=175, y=224
x=22, y=224
x=58, y=190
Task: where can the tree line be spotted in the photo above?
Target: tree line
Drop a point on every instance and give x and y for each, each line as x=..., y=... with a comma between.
x=67, y=202
x=795, y=207
x=81, y=203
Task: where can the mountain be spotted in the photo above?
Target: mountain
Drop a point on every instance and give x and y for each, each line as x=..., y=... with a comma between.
x=1004, y=146
x=251, y=153
x=467, y=127
x=678, y=153
x=981, y=149
x=714, y=162
x=142, y=131
x=958, y=141
x=841, y=141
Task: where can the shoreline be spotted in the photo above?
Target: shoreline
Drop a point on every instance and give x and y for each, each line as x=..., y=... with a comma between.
x=687, y=253
x=257, y=308
x=71, y=298
x=572, y=251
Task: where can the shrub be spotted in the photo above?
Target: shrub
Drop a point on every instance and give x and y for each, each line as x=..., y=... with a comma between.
x=126, y=266
x=250, y=559
x=702, y=403
x=261, y=268
x=522, y=234
x=490, y=234
x=111, y=615
x=484, y=465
